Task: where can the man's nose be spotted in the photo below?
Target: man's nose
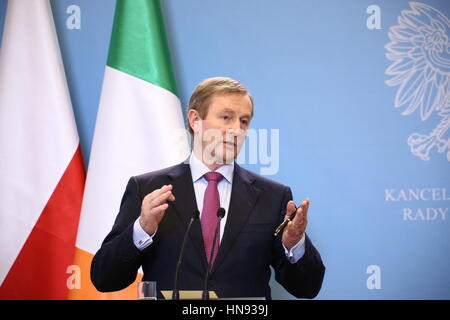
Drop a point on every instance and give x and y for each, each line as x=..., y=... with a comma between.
x=235, y=126
x=234, y=132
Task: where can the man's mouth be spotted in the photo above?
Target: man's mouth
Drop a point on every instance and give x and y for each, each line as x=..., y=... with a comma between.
x=230, y=144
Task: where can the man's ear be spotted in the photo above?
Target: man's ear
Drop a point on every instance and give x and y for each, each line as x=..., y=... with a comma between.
x=194, y=120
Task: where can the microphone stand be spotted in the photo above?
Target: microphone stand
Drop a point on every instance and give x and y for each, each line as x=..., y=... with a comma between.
x=176, y=291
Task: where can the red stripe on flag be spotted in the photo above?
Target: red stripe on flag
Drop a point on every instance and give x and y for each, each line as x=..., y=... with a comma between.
x=39, y=271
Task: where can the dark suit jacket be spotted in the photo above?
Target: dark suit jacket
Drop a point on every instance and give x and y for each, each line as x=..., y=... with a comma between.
x=247, y=250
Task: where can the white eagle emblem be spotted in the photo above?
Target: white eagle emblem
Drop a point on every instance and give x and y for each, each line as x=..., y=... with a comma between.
x=420, y=51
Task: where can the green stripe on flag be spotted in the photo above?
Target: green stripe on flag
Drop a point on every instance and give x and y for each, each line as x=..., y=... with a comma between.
x=139, y=45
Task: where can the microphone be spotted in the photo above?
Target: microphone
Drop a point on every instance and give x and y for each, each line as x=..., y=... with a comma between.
x=176, y=291
x=220, y=215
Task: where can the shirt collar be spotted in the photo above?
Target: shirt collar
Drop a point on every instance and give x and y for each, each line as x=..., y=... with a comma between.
x=198, y=169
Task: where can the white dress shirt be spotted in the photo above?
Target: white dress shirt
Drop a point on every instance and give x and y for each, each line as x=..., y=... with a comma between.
x=142, y=240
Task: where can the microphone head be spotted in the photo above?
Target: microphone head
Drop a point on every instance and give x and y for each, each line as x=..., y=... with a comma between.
x=221, y=213
x=196, y=214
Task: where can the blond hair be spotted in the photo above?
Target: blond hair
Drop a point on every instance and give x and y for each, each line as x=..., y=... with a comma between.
x=204, y=91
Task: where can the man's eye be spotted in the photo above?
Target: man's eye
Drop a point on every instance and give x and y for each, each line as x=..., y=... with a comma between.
x=244, y=122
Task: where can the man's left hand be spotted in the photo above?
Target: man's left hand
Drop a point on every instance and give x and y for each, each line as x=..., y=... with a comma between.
x=295, y=229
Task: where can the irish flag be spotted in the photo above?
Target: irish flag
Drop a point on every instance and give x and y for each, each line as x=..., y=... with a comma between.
x=139, y=128
x=41, y=169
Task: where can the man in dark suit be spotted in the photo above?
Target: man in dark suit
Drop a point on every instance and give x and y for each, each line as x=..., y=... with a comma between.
x=157, y=206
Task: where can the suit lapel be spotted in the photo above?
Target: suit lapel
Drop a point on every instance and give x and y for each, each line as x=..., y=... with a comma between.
x=185, y=204
x=243, y=199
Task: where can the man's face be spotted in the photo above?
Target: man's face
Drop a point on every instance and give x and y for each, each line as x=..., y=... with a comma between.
x=222, y=132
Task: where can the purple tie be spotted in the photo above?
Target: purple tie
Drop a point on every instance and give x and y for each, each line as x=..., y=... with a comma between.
x=211, y=204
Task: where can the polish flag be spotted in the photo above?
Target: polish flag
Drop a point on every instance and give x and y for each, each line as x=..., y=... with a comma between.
x=41, y=169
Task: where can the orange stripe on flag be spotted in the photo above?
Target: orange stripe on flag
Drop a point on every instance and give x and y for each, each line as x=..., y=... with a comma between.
x=87, y=291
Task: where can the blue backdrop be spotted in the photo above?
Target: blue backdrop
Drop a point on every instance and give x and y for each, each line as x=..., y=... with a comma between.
x=328, y=76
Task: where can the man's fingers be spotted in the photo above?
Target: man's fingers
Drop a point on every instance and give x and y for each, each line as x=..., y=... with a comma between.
x=162, y=198
x=156, y=193
x=290, y=209
x=154, y=206
x=302, y=213
x=159, y=209
x=295, y=229
x=307, y=208
x=149, y=198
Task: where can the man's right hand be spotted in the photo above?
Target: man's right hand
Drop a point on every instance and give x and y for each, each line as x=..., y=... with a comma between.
x=153, y=207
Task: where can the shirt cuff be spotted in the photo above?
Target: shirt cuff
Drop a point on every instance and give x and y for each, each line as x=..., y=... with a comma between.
x=141, y=239
x=296, y=252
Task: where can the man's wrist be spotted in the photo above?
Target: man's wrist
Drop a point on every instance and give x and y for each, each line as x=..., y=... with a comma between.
x=297, y=251
x=141, y=238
